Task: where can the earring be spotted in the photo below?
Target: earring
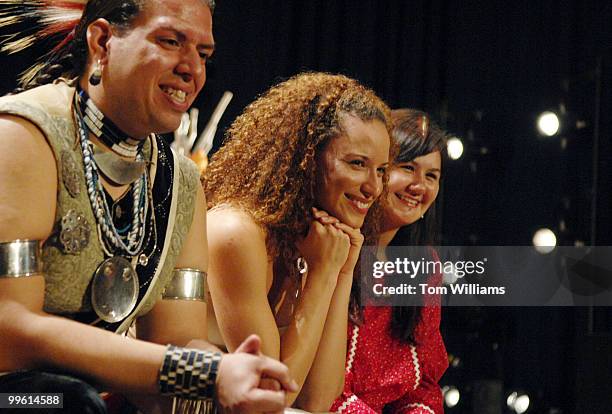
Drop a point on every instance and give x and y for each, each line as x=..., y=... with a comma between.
x=423, y=216
x=96, y=75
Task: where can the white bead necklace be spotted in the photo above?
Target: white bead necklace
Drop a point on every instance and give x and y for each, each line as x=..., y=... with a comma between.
x=133, y=243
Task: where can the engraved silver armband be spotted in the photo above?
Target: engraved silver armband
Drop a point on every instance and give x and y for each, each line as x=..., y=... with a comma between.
x=186, y=284
x=20, y=258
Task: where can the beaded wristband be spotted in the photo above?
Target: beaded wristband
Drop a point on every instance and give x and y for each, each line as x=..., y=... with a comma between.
x=189, y=373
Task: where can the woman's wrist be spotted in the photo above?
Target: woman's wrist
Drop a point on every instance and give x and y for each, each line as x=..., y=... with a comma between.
x=322, y=277
x=346, y=276
x=324, y=267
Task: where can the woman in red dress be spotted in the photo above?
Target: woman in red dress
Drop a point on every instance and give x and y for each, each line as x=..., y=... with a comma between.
x=395, y=355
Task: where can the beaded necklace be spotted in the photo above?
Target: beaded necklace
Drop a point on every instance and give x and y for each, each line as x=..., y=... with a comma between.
x=104, y=129
x=132, y=243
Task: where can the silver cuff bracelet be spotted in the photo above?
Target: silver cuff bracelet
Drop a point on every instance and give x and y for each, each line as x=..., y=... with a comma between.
x=20, y=258
x=186, y=284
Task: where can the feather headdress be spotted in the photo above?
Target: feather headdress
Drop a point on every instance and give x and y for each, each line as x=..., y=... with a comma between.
x=36, y=20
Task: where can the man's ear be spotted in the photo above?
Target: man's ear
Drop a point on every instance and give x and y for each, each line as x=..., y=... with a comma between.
x=99, y=33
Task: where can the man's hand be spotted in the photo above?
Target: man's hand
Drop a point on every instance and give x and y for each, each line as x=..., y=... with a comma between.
x=239, y=377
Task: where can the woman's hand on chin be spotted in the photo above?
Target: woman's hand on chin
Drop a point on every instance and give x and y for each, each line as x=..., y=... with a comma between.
x=355, y=238
x=326, y=247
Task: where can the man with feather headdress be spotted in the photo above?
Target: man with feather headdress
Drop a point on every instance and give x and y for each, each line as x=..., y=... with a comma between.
x=102, y=226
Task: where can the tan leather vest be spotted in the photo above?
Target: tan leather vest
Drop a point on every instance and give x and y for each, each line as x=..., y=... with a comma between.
x=68, y=274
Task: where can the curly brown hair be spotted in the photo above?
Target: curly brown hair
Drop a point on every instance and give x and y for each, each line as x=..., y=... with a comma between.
x=268, y=166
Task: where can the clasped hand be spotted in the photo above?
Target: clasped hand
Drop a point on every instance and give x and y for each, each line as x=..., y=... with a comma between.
x=239, y=380
x=331, y=244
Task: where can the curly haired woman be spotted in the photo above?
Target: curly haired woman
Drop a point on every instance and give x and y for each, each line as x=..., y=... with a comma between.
x=288, y=193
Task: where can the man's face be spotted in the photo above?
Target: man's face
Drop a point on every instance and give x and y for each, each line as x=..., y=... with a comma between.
x=154, y=71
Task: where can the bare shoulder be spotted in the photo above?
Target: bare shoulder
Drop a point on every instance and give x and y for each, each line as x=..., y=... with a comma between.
x=233, y=227
x=28, y=178
x=237, y=249
x=238, y=278
x=23, y=141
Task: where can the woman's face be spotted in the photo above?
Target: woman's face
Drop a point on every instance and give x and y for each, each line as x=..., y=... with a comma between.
x=351, y=169
x=413, y=187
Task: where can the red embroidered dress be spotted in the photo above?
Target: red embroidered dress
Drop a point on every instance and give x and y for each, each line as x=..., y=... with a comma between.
x=384, y=372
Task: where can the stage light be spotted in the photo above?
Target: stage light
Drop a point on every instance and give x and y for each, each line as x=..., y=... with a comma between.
x=451, y=396
x=548, y=123
x=454, y=361
x=455, y=148
x=544, y=240
x=519, y=403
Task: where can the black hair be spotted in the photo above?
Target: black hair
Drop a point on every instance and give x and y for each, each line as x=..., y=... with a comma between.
x=70, y=60
x=415, y=135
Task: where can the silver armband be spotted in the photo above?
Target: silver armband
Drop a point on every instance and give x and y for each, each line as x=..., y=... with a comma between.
x=186, y=284
x=20, y=258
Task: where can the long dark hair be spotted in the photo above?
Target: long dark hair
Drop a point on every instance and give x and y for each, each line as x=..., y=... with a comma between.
x=413, y=135
x=416, y=135
x=69, y=56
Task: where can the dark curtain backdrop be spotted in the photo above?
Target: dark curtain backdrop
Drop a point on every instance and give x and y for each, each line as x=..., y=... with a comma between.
x=484, y=70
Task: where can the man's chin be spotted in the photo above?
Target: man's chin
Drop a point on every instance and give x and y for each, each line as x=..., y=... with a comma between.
x=167, y=127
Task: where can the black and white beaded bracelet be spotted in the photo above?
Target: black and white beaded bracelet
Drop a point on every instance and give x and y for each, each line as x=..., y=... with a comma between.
x=189, y=373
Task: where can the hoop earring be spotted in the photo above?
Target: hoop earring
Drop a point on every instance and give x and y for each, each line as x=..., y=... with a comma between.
x=96, y=75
